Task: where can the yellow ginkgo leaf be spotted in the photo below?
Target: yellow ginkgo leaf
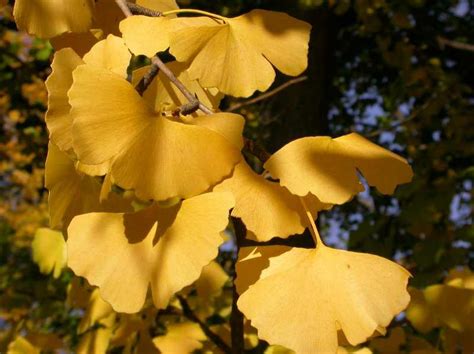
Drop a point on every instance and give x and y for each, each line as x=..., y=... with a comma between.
x=211, y=281
x=420, y=315
x=22, y=346
x=236, y=55
x=440, y=299
x=49, y=251
x=162, y=247
x=267, y=209
x=49, y=18
x=181, y=338
x=156, y=156
x=161, y=91
x=58, y=120
x=136, y=29
x=328, y=167
x=330, y=290
x=72, y=193
x=111, y=54
x=462, y=278
x=97, y=310
x=97, y=339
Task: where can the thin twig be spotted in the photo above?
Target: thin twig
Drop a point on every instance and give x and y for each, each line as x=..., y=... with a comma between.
x=454, y=44
x=189, y=313
x=123, y=6
x=268, y=94
x=162, y=66
x=145, y=11
x=147, y=79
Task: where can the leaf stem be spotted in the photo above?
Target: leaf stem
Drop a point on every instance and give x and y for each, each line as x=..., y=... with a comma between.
x=195, y=11
x=313, y=229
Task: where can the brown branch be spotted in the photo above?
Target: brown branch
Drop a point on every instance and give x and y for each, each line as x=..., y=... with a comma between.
x=268, y=94
x=189, y=313
x=147, y=79
x=140, y=10
x=162, y=66
x=444, y=42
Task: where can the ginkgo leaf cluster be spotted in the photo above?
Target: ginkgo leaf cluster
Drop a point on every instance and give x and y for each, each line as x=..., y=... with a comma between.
x=143, y=193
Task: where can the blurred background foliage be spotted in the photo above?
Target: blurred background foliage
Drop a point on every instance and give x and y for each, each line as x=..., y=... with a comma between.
x=399, y=72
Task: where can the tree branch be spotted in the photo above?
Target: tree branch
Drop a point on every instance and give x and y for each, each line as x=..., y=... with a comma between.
x=147, y=79
x=189, y=313
x=140, y=10
x=443, y=42
x=162, y=66
x=268, y=94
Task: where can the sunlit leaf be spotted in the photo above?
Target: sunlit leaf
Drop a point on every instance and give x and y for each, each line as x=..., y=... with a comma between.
x=49, y=251
x=328, y=167
x=237, y=56
x=267, y=209
x=49, y=18
x=164, y=247
x=152, y=154
x=180, y=338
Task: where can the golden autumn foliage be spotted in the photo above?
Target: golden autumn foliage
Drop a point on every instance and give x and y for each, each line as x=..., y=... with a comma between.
x=145, y=186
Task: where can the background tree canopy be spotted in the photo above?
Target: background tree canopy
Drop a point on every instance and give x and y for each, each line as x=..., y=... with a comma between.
x=398, y=72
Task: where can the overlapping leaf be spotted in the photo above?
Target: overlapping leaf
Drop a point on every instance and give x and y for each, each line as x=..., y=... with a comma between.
x=329, y=290
x=72, y=193
x=152, y=154
x=164, y=247
x=109, y=53
x=267, y=209
x=49, y=18
x=328, y=167
x=237, y=56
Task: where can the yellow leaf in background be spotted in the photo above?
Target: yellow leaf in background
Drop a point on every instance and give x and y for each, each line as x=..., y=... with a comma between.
x=342, y=350
x=45, y=341
x=111, y=54
x=392, y=343
x=97, y=340
x=237, y=56
x=180, y=338
x=97, y=310
x=440, y=299
x=159, y=158
x=462, y=278
x=145, y=35
x=328, y=167
x=161, y=91
x=278, y=349
x=21, y=346
x=49, y=18
x=159, y=5
x=162, y=247
x=107, y=16
x=72, y=193
x=420, y=315
x=330, y=290
x=49, y=251
x=211, y=281
x=58, y=120
x=267, y=209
